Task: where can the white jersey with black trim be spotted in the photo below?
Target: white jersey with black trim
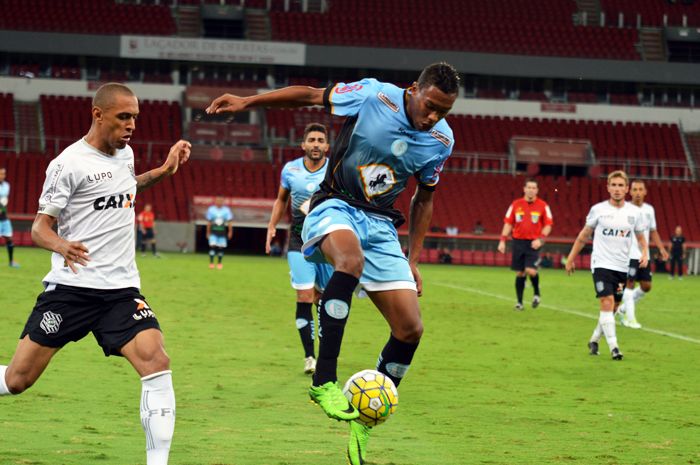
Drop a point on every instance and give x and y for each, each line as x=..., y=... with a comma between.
x=92, y=194
x=649, y=221
x=615, y=231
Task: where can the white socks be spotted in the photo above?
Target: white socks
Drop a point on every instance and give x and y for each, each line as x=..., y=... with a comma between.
x=638, y=294
x=158, y=415
x=4, y=391
x=597, y=333
x=607, y=324
x=628, y=299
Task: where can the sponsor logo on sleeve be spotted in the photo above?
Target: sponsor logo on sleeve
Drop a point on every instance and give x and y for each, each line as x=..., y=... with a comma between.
x=388, y=102
x=444, y=139
x=348, y=88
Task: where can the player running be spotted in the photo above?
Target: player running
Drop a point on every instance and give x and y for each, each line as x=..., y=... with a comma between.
x=5, y=223
x=616, y=223
x=299, y=180
x=390, y=135
x=90, y=188
x=219, y=217
x=626, y=310
x=530, y=219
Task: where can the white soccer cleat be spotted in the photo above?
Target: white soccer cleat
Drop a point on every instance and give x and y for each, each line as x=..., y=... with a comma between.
x=634, y=324
x=309, y=366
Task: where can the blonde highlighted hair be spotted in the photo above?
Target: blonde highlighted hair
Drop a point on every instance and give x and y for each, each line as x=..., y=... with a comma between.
x=619, y=174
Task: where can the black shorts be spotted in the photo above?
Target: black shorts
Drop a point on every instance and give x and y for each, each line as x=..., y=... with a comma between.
x=69, y=313
x=609, y=282
x=638, y=274
x=149, y=234
x=524, y=256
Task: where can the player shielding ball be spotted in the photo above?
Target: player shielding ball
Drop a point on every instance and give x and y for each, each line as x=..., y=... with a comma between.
x=616, y=224
x=530, y=220
x=300, y=178
x=93, y=285
x=631, y=295
x=390, y=135
x=5, y=223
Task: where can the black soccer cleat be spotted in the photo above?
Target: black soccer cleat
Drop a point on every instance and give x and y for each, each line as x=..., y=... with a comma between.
x=519, y=306
x=616, y=354
x=536, y=301
x=593, y=348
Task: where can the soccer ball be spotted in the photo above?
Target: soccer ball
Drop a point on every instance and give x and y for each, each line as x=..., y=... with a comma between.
x=3, y=201
x=373, y=394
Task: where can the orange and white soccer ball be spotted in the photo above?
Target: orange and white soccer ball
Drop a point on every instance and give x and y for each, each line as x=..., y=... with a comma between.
x=374, y=395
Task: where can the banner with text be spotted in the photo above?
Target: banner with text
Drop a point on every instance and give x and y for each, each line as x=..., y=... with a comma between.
x=223, y=51
x=219, y=132
x=246, y=211
x=551, y=151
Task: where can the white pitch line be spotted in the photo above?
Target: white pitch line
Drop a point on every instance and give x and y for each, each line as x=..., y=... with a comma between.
x=566, y=310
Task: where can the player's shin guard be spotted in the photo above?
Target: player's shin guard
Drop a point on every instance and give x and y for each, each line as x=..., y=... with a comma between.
x=628, y=299
x=597, y=333
x=520, y=287
x=10, y=248
x=607, y=324
x=212, y=252
x=305, y=325
x=535, y=280
x=220, y=254
x=4, y=390
x=332, y=316
x=158, y=415
x=395, y=359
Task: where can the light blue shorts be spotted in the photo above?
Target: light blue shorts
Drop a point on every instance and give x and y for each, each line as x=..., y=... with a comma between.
x=217, y=241
x=5, y=228
x=307, y=275
x=386, y=267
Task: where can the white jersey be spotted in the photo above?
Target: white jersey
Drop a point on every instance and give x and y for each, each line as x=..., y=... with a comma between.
x=649, y=222
x=615, y=231
x=92, y=194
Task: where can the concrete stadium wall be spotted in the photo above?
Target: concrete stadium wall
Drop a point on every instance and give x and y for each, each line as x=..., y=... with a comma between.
x=170, y=233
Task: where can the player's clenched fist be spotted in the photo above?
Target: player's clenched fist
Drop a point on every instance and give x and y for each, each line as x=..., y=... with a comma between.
x=179, y=154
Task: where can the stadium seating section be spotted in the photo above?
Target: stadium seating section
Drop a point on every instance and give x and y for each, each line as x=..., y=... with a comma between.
x=538, y=27
x=652, y=12
x=86, y=16
x=7, y=121
x=284, y=120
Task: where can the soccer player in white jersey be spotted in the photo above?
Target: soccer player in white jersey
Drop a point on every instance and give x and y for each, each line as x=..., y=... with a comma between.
x=93, y=285
x=5, y=224
x=631, y=295
x=616, y=224
x=300, y=178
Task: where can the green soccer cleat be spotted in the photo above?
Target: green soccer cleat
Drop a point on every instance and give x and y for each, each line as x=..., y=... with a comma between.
x=333, y=402
x=357, y=449
x=624, y=321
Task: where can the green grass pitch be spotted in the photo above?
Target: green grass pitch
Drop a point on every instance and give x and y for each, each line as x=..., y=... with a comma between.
x=487, y=385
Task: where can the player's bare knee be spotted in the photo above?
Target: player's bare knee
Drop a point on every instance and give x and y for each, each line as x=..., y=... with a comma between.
x=158, y=362
x=645, y=285
x=409, y=332
x=350, y=264
x=17, y=384
x=520, y=274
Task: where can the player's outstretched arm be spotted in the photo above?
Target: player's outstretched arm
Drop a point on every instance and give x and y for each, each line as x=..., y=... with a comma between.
x=179, y=153
x=278, y=210
x=46, y=237
x=580, y=243
x=654, y=236
x=418, y=223
x=289, y=97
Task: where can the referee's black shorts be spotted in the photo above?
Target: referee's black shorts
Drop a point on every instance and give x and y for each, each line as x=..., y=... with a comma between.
x=67, y=314
x=524, y=256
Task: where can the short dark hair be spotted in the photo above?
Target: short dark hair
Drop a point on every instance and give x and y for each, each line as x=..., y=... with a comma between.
x=315, y=127
x=2, y=168
x=638, y=181
x=441, y=75
x=531, y=180
x=105, y=95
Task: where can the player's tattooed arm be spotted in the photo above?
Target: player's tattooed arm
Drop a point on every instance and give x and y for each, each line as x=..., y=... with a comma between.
x=179, y=154
x=144, y=181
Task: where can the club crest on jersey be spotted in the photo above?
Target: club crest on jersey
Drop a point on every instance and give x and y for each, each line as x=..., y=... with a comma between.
x=399, y=147
x=115, y=201
x=376, y=179
x=444, y=139
x=631, y=219
x=304, y=207
x=535, y=217
x=388, y=102
x=51, y=322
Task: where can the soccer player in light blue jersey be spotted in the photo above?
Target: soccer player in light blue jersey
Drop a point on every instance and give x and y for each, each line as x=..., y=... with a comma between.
x=5, y=224
x=299, y=180
x=390, y=134
x=219, y=216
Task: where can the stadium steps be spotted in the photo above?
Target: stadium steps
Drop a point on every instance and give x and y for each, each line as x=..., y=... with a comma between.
x=257, y=25
x=692, y=141
x=28, y=127
x=188, y=22
x=592, y=10
x=652, y=44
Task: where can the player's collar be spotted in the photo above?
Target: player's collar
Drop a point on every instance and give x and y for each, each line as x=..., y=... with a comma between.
x=87, y=144
x=303, y=162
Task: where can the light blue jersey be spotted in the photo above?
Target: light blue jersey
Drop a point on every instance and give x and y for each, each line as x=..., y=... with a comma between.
x=301, y=183
x=218, y=217
x=378, y=149
x=5, y=225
